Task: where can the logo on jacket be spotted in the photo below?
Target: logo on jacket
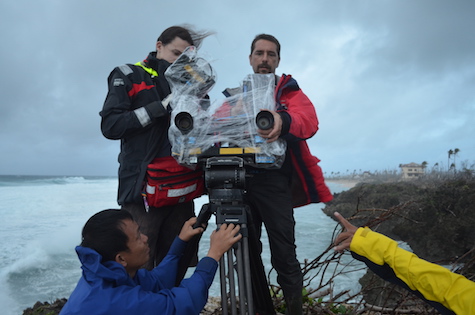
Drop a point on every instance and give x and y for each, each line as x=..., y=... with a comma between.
x=118, y=82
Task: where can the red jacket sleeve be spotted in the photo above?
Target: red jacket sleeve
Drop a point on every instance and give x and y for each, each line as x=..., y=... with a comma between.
x=303, y=122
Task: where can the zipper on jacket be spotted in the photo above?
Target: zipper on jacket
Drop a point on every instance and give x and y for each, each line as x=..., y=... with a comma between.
x=177, y=183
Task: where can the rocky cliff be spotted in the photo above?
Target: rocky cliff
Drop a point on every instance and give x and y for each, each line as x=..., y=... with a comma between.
x=435, y=218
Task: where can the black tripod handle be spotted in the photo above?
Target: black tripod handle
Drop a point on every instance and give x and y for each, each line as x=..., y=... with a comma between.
x=203, y=216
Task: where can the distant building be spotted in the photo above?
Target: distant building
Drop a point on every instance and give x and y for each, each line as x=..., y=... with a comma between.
x=367, y=174
x=411, y=170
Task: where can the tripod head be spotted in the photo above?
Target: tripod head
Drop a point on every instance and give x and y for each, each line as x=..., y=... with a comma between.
x=225, y=181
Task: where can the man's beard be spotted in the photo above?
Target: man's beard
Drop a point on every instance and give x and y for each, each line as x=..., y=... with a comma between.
x=264, y=66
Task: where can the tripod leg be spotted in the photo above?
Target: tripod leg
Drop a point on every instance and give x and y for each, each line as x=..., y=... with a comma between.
x=232, y=284
x=241, y=278
x=222, y=278
x=247, y=274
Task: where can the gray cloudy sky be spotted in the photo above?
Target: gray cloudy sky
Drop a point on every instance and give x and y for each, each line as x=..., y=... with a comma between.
x=392, y=81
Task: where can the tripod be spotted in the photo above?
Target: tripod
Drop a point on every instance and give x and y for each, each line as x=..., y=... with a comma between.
x=225, y=180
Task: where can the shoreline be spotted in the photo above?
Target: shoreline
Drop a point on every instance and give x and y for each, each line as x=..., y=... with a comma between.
x=347, y=183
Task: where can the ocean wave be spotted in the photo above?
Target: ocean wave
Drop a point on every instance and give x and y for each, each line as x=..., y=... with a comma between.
x=69, y=180
x=38, y=276
x=31, y=180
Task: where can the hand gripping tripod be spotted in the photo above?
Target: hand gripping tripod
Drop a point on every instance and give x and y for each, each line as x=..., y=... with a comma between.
x=225, y=180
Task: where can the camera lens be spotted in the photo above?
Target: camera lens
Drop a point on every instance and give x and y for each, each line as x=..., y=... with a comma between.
x=265, y=120
x=184, y=122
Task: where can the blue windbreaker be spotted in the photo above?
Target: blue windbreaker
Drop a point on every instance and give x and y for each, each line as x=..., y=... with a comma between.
x=106, y=288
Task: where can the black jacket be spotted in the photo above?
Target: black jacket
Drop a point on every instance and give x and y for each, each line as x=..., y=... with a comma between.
x=133, y=112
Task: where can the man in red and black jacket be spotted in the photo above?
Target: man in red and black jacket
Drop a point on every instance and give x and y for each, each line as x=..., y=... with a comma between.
x=273, y=193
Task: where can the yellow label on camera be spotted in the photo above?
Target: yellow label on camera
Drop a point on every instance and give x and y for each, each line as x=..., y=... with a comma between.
x=195, y=151
x=252, y=150
x=230, y=151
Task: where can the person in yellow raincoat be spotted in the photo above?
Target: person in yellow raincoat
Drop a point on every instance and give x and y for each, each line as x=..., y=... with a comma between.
x=448, y=292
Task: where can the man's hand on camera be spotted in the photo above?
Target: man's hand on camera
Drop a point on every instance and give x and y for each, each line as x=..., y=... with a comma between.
x=273, y=133
x=221, y=240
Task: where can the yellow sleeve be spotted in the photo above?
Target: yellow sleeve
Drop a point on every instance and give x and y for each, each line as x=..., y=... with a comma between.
x=434, y=282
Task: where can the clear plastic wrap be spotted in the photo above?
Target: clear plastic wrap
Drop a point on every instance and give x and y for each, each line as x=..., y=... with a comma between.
x=201, y=129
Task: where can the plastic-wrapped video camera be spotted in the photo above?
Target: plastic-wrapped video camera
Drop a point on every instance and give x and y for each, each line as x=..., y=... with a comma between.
x=201, y=129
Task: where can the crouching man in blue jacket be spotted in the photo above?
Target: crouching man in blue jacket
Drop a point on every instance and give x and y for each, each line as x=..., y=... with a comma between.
x=112, y=253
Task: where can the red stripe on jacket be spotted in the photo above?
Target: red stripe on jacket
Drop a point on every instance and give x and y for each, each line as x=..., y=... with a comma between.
x=136, y=88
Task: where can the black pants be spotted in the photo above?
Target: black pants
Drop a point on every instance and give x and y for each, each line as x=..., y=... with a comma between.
x=162, y=225
x=269, y=196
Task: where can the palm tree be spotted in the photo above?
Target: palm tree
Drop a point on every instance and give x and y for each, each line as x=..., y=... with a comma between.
x=448, y=161
x=424, y=165
x=456, y=151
